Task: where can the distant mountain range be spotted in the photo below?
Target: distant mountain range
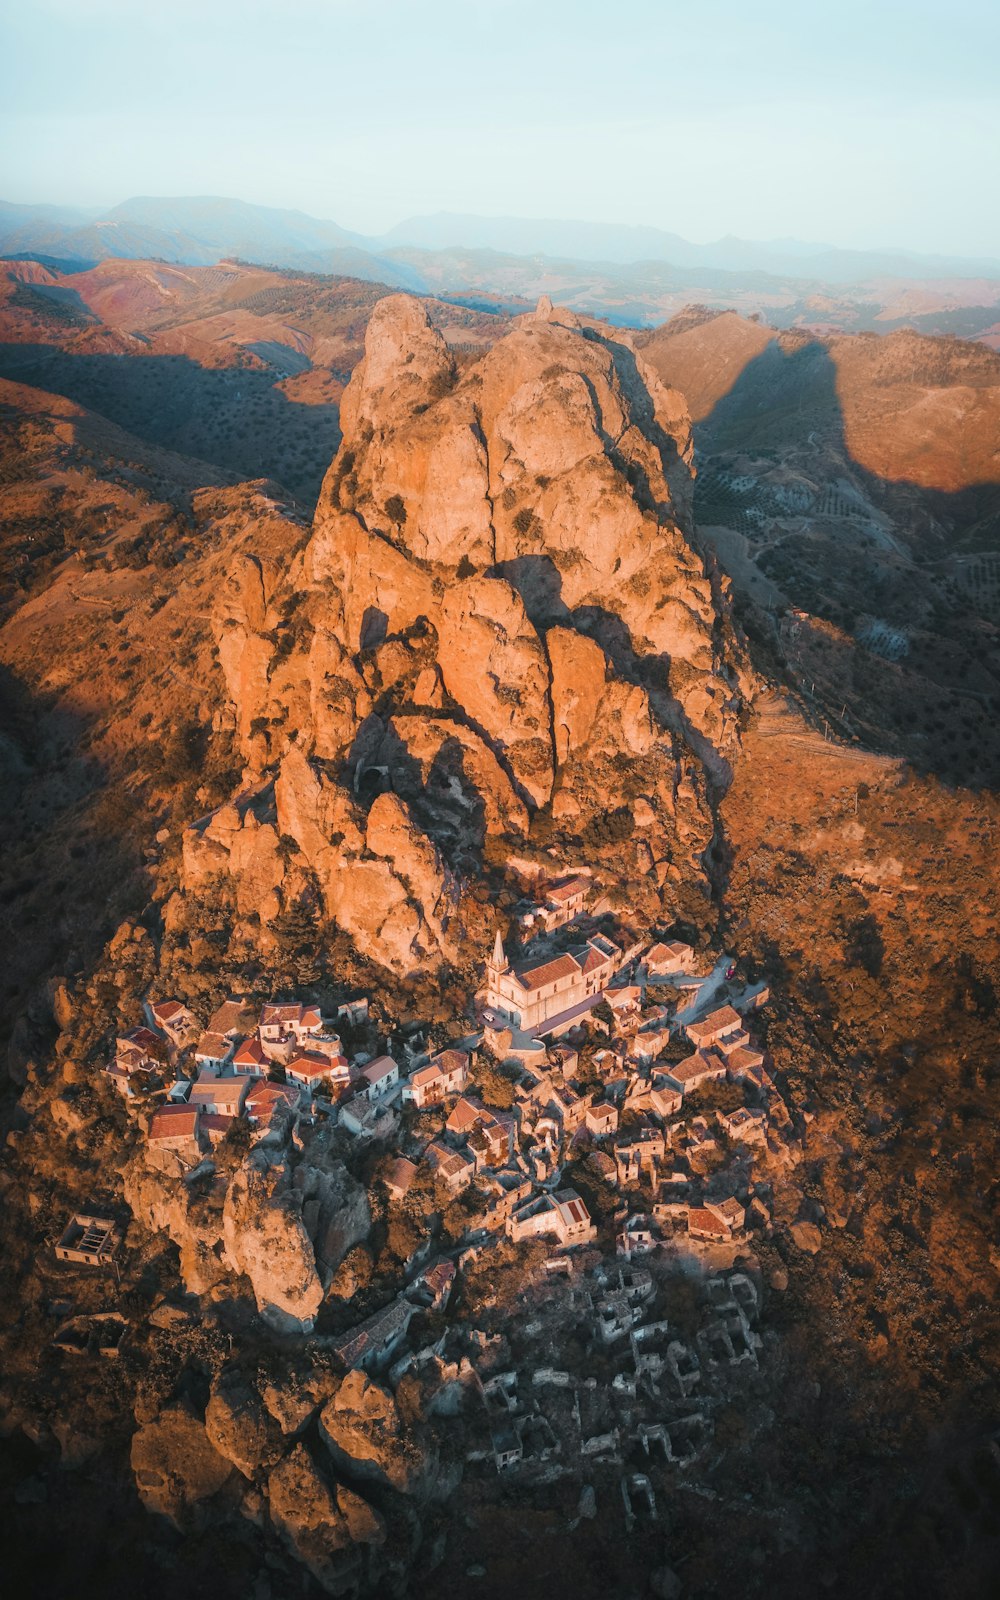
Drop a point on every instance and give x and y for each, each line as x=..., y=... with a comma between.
x=636, y=275
x=610, y=242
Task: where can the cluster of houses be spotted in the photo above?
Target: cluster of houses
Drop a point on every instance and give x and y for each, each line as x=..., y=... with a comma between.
x=603, y=1083
x=620, y=1062
x=242, y=1067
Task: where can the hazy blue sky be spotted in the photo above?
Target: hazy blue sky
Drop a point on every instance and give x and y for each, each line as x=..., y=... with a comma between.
x=860, y=122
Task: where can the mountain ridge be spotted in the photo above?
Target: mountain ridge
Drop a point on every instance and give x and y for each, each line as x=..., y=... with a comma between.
x=292, y=229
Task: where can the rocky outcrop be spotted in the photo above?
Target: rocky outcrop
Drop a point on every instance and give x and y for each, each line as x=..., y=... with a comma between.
x=361, y=1428
x=240, y=1427
x=331, y=1530
x=498, y=614
x=164, y=1204
x=287, y=1229
x=176, y=1466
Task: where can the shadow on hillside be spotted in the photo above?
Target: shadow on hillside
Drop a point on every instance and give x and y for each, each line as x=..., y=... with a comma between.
x=538, y=582
x=234, y=418
x=889, y=653
x=66, y=869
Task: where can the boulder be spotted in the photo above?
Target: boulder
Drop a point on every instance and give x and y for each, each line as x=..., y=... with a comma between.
x=239, y=1425
x=807, y=1237
x=176, y=1466
x=327, y=1527
x=363, y=1432
x=267, y=1239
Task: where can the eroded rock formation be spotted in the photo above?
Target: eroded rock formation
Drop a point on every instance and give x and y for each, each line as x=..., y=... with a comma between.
x=497, y=625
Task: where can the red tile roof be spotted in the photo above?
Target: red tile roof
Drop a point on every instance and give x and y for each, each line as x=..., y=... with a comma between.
x=173, y=1122
x=309, y=1064
x=704, y=1222
x=465, y=1115
x=568, y=888
x=165, y=1010
x=264, y=1100
x=532, y=978
x=216, y=1124
x=250, y=1054
x=145, y=1038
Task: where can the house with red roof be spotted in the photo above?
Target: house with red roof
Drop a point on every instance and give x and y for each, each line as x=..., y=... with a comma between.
x=445, y=1074
x=251, y=1060
x=292, y=1020
x=722, y=1029
x=562, y=1214
x=175, y=1127
x=309, y=1068
x=175, y=1020
x=265, y=1100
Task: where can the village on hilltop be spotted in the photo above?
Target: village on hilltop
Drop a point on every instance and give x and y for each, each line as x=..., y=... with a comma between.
x=608, y=1111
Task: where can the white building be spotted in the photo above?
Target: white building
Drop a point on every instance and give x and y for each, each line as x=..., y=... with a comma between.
x=446, y=1073
x=535, y=993
x=378, y=1077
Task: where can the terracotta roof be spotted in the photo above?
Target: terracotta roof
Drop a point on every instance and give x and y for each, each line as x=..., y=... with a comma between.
x=695, y=1066
x=213, y=1046
x=307, y=1016
x=216, y=1124
x=144, y=1037
x=451, y=1060
x=439, y=1277
x=271, y=1014
x=263, y=1100
x=465, y=1114
x=229, y=1018
x=716, y=1022
x=309, y=1064
x=705, y=1222
x=400, y=1175
x=570, y=1205
x=250, y=1054
x=549, y=972
x=166, y=1010
x=744, y=1058
x=374, y=1332
x=601, y=1111
x=568, y=888
x=591, y=959
x=173, y=1122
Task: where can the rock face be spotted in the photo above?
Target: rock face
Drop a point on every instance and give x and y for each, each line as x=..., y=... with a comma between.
x=176, y=1466
x=286, y=1226
x=240, y=1427
x=497, y=618
x=327, y=1527
x=287, y=1230
x=362, y=1430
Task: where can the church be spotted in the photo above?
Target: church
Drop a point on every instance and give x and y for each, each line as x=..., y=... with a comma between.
x=536, y=996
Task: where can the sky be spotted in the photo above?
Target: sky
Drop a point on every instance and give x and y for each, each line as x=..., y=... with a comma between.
x=860, y=123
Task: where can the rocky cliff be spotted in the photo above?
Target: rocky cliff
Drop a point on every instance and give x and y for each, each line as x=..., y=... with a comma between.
x=498, y=629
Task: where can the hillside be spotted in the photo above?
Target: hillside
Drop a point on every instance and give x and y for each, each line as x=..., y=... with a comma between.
x=239, y=366
x=850, y=486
